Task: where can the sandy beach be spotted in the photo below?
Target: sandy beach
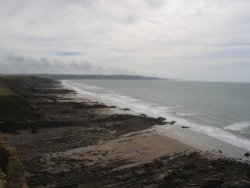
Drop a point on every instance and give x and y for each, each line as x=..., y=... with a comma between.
x=82, y=143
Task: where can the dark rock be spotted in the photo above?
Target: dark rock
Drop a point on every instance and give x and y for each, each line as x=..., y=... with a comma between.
x=247, y=154
x=34, y=130
x=64, y=111
x=172, y=122
x=213, y=183
x=77, y=106
x=177, y=182
x=126, y=109
x=161, y=119
x=184, y=127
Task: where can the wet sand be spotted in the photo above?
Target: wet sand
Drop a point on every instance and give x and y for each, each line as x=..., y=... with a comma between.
x=83, y=143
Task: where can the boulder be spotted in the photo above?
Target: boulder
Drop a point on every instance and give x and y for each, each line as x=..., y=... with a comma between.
x=172, y=122
x=247, y=154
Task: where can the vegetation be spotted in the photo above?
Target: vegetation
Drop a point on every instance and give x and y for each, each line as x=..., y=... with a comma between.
x=12, y=107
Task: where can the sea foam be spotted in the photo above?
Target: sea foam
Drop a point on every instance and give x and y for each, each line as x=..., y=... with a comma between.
x=140, y=106
x=238, y=126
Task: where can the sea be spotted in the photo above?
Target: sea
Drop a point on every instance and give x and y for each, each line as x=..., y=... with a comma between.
x=220, y=111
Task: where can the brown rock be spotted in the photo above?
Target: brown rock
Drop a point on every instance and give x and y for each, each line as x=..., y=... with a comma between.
x=11, y=173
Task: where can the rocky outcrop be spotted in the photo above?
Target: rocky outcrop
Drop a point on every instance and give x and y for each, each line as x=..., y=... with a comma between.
x=11, y=171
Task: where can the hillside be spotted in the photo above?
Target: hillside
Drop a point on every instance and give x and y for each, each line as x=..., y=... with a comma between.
x=12, y=107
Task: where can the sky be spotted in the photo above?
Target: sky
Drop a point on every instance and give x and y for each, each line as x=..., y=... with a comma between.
x=177, y=39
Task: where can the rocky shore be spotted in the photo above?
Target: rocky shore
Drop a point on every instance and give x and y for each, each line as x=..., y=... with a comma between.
x=75, y=142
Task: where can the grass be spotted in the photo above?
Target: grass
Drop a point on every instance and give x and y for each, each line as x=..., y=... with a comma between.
x=13, y=108
x=5, y=91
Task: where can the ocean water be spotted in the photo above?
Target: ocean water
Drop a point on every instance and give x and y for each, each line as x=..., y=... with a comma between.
x=219, y=110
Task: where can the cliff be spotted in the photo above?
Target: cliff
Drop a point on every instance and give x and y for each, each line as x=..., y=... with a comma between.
x=11, y=171
x=14, y=109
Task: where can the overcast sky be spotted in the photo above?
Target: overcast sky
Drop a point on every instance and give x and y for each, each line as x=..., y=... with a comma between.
x=182, y=39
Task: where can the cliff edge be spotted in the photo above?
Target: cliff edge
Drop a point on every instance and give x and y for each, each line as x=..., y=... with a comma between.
x=11, y=171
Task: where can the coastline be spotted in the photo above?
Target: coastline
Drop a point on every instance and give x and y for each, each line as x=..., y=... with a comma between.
x=217, y=141
x=84, y=143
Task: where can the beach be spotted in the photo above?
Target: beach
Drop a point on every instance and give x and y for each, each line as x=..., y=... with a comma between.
x=79, y=142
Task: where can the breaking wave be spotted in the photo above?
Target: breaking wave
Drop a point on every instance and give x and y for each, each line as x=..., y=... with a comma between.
x=140, y=106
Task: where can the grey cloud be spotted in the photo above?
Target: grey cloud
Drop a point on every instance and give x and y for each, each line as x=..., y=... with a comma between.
x=145, y=36
x=121, y=50
x=218, y=53
x=19, y=64
x=12, y=64
x=155, y=3
x=66, y=53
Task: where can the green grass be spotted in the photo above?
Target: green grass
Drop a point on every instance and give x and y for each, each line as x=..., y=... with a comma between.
x=13, y=108
x=4, y=91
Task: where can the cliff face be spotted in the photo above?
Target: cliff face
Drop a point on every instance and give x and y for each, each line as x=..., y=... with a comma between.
x=24, y=84
x=11, y=171
x=14, y=109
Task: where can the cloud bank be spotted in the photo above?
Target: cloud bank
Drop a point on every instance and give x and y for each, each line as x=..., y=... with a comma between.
x=184, y=39
x=13, y=64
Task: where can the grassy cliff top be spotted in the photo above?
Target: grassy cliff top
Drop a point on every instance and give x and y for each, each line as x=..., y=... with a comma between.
x=12, y=106
x=4, y=91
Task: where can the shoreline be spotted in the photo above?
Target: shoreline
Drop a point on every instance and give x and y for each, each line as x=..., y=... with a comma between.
x=204, y=142
x=83, y=143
